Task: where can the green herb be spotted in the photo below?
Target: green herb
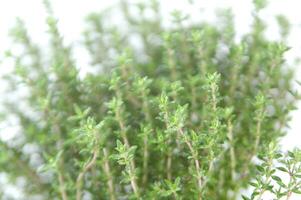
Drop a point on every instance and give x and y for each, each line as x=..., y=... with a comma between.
x=189, y=113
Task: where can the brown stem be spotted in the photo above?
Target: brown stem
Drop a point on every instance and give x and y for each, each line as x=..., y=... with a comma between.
x=62, y=186
x=169, y=151
x=87, y=167
x=126, y=142
x=125, y=74
x=213, y=95
x=133, y=182
x=145, y=140
x=266, y=180
x=107, y=170
x=122, y=128
x=232, y=152
x=60, y=167
x=168, y=164
x=145, y=160
x=172, y=64
x=257, y=141
x=252, y=153
x=289, y=194
x=196, y=161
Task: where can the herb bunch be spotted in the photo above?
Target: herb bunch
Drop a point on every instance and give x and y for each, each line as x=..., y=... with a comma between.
x=183, y=115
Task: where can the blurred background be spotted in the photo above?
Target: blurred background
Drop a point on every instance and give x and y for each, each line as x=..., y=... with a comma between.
x=71, y=14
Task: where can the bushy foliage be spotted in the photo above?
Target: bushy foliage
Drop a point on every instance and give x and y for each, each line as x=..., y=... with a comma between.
x=182, y=115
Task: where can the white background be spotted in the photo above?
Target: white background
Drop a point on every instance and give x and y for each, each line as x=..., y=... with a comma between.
x=72, y=12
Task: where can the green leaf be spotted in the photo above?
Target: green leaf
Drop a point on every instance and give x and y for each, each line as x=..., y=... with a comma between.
x=260, y=168
x=282, y=169
x=253, y=184
x=245, y=198
x=276, y=178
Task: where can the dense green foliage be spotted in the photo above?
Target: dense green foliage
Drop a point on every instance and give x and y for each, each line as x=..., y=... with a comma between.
x=167, y=113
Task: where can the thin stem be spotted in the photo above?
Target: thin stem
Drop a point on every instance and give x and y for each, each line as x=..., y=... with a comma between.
x=221, y=181
x=169, y=152
x=174, y=77
x=133, y=182
x=126, y=142
x=168, y=163
x=146, y=110
x=262, y=191
x=145, y=160
x=107, y=170
x=122, y=128
x=172, y=64
x=175, y=195
x=62, y=186
x=193, y=97
x=232, y=152
x=201, y=64
x=213, y=95
x=257, y=141
x=196, y=161
x=61, y=163
x=123, y=131
x=258, y=134
x=87, y=167
x=129, y=96
x=289, y=194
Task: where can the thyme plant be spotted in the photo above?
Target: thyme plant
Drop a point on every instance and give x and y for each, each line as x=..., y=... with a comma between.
x=189, y=113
